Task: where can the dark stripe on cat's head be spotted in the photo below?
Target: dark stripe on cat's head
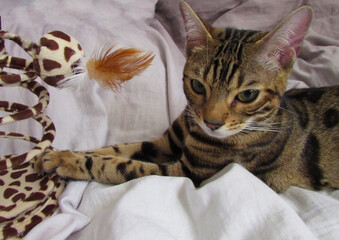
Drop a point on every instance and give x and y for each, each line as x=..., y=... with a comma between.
x=228, y=55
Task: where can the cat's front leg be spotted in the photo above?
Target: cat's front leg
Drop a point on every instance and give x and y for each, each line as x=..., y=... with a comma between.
x=105, y=168
x=119, y=163
x=166, y=148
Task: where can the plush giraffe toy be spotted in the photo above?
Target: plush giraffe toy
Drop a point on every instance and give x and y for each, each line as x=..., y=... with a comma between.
x=26, y=197
x=58, y=61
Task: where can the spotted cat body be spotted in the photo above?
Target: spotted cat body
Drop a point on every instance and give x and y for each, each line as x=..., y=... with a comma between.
x=237, y=112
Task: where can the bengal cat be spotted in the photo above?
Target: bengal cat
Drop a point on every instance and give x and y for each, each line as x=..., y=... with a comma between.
x=237, y=112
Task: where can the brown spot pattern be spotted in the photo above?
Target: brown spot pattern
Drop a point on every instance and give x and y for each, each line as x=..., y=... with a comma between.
x=32, y=177
x=19, y=196
x=15, y=183
x=38, y=50
x=9, y=232
x=11, y=78
x=36, y=65
x=48, y=210
x=7, y=209
x=50, y=44
x=61, y=35
x=68, y=52
x=43, y=184
x=50, y=65
x=2, y=46
x=35, y=221
x=17, y=63
x=22, y=166
x=9, y=192
x=15, y=134
x=19, y=159
x=18, y=40
x=3, y=219
x=35, y=196
x=53, y=81
x=16, y=175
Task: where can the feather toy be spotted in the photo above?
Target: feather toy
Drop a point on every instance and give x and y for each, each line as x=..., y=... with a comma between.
x=114, y=66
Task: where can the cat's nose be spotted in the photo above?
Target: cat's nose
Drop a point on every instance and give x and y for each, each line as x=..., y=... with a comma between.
x=213, y=126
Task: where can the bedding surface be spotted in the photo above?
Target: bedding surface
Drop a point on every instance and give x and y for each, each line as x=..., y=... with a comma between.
x=232, y=204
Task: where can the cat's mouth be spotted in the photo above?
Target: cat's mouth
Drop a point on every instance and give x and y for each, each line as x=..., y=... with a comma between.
x=213, y=130
x=221, y=132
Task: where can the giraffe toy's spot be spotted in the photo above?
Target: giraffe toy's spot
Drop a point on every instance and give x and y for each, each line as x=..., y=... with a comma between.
x=61, y=35
x=50, y=44
x=68, y=52
x=50, y=65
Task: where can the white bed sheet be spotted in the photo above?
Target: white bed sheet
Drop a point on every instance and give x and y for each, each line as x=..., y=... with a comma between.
x=232, y=205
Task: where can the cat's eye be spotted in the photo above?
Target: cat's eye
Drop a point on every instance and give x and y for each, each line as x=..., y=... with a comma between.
x=247, y=96
x=198, y=87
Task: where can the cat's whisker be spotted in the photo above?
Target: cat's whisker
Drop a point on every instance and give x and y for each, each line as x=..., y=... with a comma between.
x=272, y=125
x=262, y=126
x=296, y=114
x=262, y=129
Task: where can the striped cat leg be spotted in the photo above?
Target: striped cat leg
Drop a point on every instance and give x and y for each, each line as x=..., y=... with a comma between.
x=105, y=169
x=158, y=151
x=159, y=157
x=166, y=148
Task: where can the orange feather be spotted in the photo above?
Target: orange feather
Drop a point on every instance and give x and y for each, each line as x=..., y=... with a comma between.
x=111, y=67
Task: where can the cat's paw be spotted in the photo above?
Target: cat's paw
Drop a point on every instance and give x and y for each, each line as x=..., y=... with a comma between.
x=39, y=160
x=62, y=162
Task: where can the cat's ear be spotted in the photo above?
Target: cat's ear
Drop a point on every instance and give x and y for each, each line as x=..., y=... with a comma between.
x=281, y=45
x=197, y=34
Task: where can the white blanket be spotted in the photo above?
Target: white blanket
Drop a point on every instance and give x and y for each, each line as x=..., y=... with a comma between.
x=231, y=205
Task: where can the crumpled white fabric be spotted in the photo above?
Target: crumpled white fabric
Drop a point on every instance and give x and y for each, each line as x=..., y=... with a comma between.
x=233, y=204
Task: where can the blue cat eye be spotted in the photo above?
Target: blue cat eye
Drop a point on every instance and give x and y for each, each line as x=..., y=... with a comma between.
x=198, y=87
x=247, y=96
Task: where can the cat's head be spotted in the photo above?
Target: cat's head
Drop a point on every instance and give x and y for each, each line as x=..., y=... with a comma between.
x=234, y=79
